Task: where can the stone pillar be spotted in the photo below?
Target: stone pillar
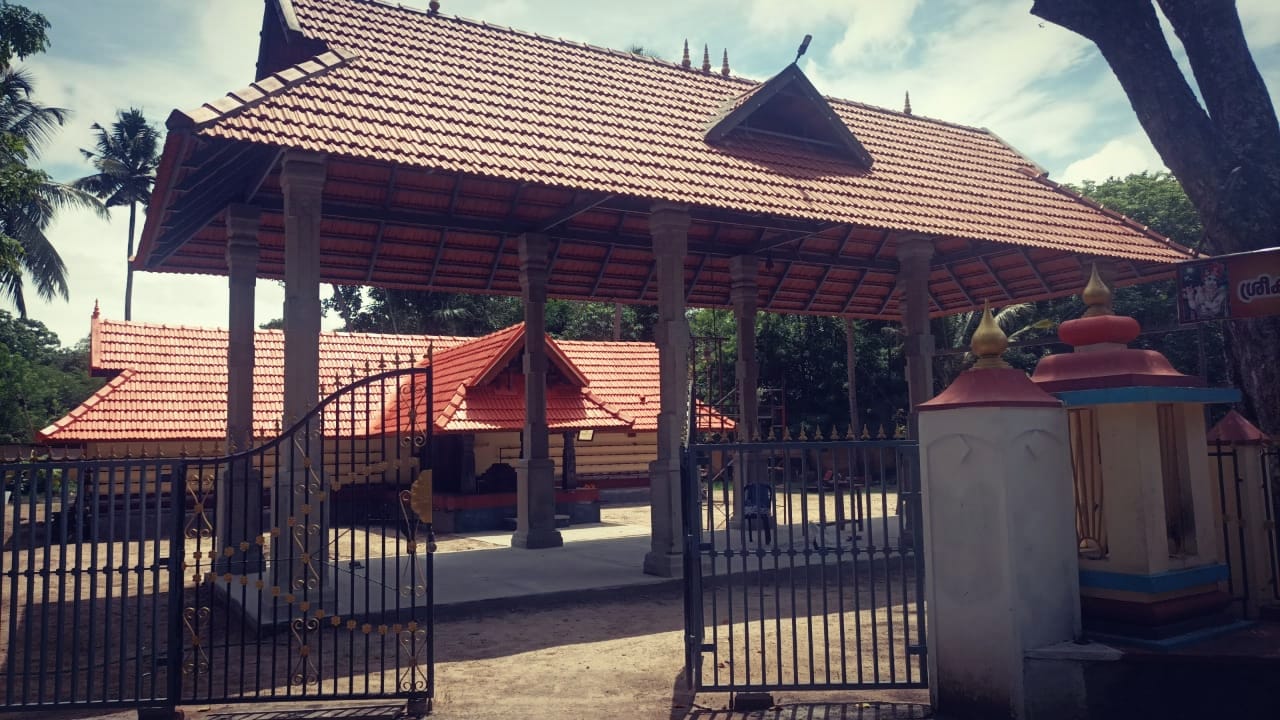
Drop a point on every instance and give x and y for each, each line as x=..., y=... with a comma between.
x=467, y=464
x=569, y=460
x=744, y=294
x=536, y=471
x=239, y=512
x=301, y=548
x=669, y=228
x=999, y=544
x=914, y=254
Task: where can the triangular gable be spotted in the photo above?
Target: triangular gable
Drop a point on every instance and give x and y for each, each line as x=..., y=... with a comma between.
x=788, y=105
x=516, y=344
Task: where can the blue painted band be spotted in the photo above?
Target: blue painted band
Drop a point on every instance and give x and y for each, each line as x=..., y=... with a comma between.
x=1154, y=584
x=1156, y=394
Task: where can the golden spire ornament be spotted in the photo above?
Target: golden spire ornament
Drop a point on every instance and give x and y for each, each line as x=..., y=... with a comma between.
x=1096, y=295
x=989, y=342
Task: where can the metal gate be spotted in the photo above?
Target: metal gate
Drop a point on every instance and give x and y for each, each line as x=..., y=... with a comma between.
x=801, y=566
x=300, y=570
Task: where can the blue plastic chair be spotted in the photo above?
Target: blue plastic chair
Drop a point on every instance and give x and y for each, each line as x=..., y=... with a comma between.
x=757, y=504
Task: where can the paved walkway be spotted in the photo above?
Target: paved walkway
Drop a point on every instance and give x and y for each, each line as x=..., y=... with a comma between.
x=600, y=558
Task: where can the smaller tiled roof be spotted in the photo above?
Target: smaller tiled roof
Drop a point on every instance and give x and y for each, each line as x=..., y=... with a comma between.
x=478, y=390
x=169, y=382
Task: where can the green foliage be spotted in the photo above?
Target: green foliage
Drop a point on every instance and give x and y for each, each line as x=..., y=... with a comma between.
x=433, y=313
x=40, y=381
x=22, y=33
x=1158, y=201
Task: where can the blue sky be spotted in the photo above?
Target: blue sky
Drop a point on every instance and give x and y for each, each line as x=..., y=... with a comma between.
x=987, y=63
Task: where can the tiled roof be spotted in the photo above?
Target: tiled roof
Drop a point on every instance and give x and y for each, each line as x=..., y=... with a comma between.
x=428, y=91
x=479, y=387
x=170, y=381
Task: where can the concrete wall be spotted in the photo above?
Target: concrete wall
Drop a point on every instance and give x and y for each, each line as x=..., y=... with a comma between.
x=607, y=452
x=1000, y=551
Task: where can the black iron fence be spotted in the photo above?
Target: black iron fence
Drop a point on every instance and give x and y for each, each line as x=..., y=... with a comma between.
x=802, y=566
x=301, y=569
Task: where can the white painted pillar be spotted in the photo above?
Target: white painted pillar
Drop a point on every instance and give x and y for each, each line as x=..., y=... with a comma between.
x=914, y=254
x=238, y=518
x=999, y=543
x=536, y=471
x=669, y=228
x=298, y=494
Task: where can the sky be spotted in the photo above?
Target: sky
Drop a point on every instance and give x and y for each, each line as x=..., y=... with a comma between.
x=986, y=63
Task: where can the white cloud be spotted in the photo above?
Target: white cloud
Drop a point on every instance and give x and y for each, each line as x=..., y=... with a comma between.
x=1119, y=157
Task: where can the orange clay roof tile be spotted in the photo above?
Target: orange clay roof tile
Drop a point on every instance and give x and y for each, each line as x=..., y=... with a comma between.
x=170, y=381
x=400, y=85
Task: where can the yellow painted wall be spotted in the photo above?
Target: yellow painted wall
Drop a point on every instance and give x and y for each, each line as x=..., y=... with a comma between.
x=607, y=452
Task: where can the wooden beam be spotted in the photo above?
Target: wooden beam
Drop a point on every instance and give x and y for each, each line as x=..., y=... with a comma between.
x=382, y=225
x=688, y=292
x=778, y=288
x=858, y=286
x=1035, y=271
x=996, y=278
x=574, y=210
x=497, y=260
x=817, y=289
x=955, y=279
x=604, y=265
x=435, y=265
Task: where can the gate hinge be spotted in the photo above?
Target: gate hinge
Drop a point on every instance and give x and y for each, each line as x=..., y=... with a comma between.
x=916, y=649
x=706, y=647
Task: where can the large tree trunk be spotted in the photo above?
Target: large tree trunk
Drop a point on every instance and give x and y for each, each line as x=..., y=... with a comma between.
x=1227, y=157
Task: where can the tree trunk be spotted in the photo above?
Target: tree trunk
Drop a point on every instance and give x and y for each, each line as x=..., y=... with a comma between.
x=128, y=278
x=1226, y=158
x=851, y=365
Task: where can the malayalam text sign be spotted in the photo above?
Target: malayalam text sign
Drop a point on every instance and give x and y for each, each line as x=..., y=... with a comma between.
x=1230, y=286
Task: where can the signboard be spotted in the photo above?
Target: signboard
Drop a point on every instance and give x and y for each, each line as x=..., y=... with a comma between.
x=1229, y=286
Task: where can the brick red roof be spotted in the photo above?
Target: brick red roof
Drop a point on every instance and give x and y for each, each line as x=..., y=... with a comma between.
x=479, y=387
x=447, y=136
x=170, y=381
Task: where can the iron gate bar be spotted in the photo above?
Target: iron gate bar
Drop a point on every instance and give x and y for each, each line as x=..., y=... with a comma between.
x=800, y=546
x=102, y=639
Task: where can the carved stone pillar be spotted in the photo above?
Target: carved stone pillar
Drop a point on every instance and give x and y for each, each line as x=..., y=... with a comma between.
x=300, y=511
x=238, y=518
x=669, y=228
x=536, y=472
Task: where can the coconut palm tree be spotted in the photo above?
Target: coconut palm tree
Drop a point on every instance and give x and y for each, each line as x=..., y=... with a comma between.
x=29, y=199
x=126, y=157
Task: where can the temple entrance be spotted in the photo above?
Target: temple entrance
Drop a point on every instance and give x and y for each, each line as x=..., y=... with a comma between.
x=300, y=570
x=802, y=565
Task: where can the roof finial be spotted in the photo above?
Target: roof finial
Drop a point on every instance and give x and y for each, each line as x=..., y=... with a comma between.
x=804, y=45
x=906, y=105
x=989, y=342
x=706, y=59
x=685, y=63
x=433, y=7
x=724, y=68
x=1096, y=295
x=96, y=312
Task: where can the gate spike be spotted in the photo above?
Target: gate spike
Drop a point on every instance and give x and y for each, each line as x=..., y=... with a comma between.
x=866, y=434
x=835, y=432
x=881, y=436
x=786, y=433
x=848, y=432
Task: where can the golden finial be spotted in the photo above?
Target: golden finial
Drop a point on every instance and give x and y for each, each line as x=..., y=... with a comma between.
x=1096, y=295
x=835, y=432
x=786, y=433
x=706, y=59
x=724, y=66
x=848, y=432
x=866, y=433
x=685, y=62
x=883, y=435
x=989, y=342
